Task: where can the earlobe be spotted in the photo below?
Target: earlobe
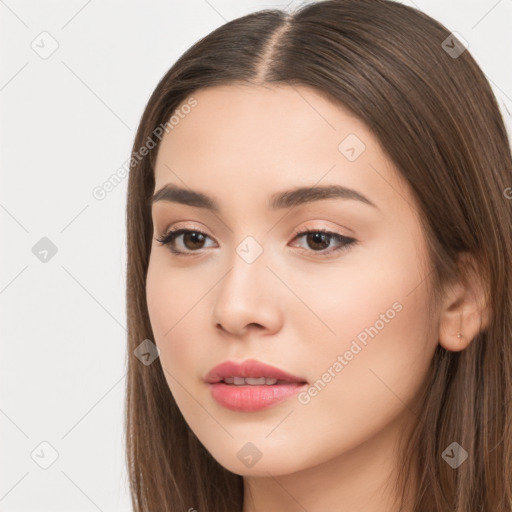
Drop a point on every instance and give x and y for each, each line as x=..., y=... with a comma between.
x=465, y=313
x=456, y=334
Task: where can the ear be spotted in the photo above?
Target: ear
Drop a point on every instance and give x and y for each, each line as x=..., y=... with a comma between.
x=464, y=307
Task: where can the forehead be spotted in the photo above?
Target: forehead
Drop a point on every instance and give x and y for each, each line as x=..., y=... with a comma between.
x=244, y=120
x=255, y=139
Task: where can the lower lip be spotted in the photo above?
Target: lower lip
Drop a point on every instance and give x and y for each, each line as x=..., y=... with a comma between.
x=252, y=398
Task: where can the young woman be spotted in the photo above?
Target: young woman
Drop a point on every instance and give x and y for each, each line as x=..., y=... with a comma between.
x=319, y=285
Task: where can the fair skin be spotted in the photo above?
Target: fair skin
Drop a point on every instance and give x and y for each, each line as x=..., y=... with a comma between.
x=291, y=307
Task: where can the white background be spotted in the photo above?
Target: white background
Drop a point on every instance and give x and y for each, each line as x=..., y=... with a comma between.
x=67, y=124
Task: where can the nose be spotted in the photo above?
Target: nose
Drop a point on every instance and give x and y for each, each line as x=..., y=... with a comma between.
x=248, y=299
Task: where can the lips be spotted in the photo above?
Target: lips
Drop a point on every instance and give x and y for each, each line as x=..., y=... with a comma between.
x=251, y=386
x=250, y=369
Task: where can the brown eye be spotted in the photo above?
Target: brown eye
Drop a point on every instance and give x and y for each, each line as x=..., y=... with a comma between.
x=195, y=239
x=192, y=241
x=317, y=240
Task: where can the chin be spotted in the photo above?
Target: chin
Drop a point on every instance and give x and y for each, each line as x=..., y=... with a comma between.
x=247, y=458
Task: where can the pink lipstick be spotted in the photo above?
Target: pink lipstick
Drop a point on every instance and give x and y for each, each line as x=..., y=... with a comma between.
x=251, y=385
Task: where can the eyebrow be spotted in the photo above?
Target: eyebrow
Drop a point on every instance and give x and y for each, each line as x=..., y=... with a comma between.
x=279, y=200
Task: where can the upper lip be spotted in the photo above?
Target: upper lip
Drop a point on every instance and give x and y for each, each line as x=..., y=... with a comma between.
x=248, y=368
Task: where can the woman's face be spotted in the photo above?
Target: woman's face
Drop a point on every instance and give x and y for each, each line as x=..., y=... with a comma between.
x=345, y=315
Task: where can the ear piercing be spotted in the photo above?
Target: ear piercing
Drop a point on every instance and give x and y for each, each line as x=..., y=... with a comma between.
x=459, y=334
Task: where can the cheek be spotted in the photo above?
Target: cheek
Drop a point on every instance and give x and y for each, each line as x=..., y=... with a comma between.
x=375, y=289
x=374, y=348
x=161, y=303
x=171, y=293
x=176, y=299
x=367, y=380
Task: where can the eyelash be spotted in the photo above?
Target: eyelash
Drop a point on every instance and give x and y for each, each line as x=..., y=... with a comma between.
x=169, y=237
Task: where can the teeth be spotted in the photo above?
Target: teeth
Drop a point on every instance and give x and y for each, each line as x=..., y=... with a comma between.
x=260, y=381
x=252, y=381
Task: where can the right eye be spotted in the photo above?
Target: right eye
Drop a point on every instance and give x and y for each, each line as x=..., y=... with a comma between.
x=192, y=237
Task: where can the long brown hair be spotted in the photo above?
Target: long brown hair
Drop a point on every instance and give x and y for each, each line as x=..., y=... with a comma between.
x=435, y=115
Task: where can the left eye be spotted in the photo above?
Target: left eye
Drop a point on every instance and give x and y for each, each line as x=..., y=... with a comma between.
x=318, y=240
x=321, y=239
